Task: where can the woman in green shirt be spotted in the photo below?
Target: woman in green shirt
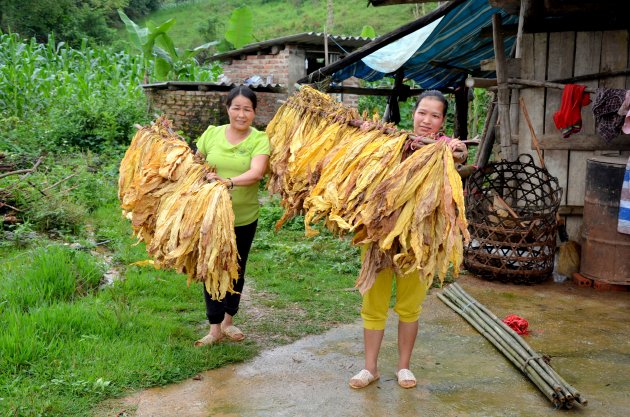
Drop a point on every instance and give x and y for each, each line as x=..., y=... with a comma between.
x=240, y=154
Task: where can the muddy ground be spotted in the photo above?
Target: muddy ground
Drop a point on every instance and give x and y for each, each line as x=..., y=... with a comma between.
x=584, y=331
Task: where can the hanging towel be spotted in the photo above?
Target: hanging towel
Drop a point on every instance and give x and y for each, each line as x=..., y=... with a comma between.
x=623, y=224
x=606, y=105
x=569, y=118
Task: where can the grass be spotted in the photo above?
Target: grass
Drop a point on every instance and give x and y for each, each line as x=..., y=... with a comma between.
x=65, y=345
x=274, y=19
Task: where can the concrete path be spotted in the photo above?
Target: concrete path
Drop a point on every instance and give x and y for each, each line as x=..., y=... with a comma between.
x=459, y=373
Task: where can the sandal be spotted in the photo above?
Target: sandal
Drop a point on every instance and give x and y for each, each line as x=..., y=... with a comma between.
x=233, y=333
x=363, y=379
x=207, y=340
x=406, y=379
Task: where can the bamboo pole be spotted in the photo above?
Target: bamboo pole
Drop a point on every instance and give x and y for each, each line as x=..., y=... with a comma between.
x=539, y=382
x=522, y=359
x=525, y=358
x=508, y=342
x=515, y=336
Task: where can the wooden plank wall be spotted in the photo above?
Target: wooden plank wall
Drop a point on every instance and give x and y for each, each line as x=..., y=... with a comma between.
x=549, y=56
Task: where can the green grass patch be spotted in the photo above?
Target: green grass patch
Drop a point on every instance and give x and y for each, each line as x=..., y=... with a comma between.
x=65, y=345
x=274, y=18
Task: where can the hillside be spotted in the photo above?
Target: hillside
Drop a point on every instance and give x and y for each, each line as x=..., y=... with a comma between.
x=197, y=20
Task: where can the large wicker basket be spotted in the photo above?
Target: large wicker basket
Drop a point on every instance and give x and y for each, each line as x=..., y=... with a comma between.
x=511, y=210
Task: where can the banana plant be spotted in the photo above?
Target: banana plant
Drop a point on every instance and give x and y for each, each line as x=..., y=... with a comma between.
x=158, y=48
x=240, y=27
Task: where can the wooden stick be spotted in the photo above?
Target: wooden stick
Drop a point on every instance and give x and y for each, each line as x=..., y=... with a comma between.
x=24, y=171
x=539, y=382
x=506, y=206
x=3, y=204
x=531, y=131
x=34, y=186
x=59, y=182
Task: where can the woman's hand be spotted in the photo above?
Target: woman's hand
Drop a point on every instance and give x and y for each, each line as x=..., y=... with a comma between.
x=212, y=176
x=459, y=149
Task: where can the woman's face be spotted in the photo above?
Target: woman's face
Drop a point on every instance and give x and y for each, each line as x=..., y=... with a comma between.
x=428, y=117
x=241, y=113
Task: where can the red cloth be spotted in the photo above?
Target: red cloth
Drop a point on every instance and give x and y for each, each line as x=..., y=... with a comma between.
x=518, y=324
x=569, y=118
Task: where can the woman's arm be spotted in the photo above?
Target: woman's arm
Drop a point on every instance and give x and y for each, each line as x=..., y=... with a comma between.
x=255, y=173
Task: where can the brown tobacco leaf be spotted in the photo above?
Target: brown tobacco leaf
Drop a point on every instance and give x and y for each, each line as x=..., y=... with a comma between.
x=186, y=222
x=408, y=211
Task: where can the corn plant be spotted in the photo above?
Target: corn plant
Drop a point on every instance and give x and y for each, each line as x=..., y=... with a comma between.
x=34, y=77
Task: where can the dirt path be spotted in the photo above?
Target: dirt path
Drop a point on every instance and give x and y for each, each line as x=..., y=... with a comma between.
x=459, y=373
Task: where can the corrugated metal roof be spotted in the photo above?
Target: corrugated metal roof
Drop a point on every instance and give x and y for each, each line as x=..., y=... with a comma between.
x=306, y=38
x=454, y=49
x=206, y=86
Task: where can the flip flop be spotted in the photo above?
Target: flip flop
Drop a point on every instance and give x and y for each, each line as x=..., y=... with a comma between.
x=406, y=379
x=208, y=340
x=233, y=333
x=363, y=379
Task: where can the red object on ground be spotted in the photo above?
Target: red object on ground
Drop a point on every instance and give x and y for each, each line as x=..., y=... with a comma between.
x=581, y=281
x=518, y=324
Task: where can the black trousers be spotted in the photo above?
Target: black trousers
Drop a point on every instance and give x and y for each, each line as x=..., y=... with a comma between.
x=215, y=310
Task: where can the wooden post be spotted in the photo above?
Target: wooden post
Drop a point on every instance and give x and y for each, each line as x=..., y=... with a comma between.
x=392, y=111
x=485, y=149
x=523, y=15
x=461, y=113
x=503, y=96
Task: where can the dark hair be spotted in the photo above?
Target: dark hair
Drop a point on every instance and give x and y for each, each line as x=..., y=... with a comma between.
x=434, y=95
x=244, y=91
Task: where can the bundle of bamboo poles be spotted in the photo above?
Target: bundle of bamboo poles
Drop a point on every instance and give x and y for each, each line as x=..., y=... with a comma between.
x=508, y=342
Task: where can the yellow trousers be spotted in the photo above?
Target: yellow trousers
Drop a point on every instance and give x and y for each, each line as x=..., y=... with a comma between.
x=410, y=293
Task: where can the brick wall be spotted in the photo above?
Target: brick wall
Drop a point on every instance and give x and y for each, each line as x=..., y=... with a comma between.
x=276, y=67
x=193, y=111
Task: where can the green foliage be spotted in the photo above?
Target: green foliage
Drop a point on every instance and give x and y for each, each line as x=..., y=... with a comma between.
x=71, y=20
x=59, y=196
x=156, y=46
x=368, y=32
x=139, y=8
x=240, y=27
x=276, y=18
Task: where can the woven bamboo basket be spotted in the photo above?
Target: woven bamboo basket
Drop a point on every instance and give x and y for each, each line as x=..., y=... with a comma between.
x=511, y=209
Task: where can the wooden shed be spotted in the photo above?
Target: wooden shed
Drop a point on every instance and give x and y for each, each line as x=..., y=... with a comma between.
x=539, y=46
x=566, y=42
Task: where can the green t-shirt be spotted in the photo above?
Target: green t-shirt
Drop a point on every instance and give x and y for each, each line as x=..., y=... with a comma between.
x=231, y=161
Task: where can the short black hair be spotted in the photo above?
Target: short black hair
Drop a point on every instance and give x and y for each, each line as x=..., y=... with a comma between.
x=241, y=90
x=433, y=94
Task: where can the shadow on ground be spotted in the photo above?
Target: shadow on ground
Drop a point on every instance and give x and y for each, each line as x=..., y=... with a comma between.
x=459, y=373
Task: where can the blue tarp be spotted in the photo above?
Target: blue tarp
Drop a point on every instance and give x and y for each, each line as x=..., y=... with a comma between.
x=453, y=49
